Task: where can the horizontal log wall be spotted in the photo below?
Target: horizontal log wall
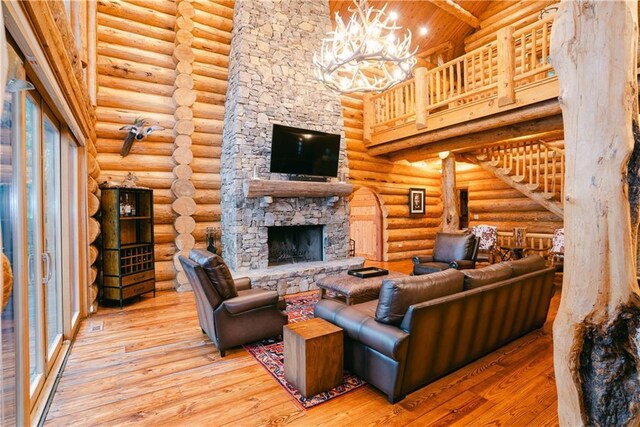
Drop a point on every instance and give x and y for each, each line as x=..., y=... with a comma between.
x=169, y=66
x=501, y=14
x=405, y=235
x=493, y=202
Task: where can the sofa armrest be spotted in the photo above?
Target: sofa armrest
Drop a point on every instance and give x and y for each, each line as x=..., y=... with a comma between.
x=389, y=340
x=251, y=299
x=242, y=283
x=420, y=259
x=462, y=264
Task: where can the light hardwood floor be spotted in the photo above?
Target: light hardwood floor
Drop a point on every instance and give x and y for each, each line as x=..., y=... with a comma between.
x=149, y=364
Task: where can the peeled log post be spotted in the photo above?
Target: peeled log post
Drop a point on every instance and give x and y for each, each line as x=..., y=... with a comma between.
x=450, y=214
x=596, y=331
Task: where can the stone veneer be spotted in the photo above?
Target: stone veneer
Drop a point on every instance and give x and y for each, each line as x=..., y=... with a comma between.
x=271, y=81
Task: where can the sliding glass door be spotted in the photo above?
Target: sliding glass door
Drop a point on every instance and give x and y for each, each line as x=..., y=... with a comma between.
x=43, y=219
x=42, y=134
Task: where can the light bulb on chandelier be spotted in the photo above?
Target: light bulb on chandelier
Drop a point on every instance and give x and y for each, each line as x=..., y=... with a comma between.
x=365, y=54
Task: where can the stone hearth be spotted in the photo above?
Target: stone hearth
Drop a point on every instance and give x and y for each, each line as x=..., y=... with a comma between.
x=271, y=81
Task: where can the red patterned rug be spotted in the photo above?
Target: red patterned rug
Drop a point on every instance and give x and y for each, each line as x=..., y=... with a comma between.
x=269, y=353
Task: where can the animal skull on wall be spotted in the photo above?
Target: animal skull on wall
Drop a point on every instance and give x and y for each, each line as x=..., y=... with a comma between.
x=137, y=132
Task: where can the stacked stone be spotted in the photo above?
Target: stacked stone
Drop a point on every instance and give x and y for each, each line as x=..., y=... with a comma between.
x=184, y=97
x=271, y=80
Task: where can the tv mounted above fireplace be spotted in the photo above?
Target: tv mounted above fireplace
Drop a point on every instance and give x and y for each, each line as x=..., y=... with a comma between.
x=304, y=152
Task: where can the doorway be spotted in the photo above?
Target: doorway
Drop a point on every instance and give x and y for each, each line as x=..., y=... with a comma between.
x=365, y=222
x=463, y=199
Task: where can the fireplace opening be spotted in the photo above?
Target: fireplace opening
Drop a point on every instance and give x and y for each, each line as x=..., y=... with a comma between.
x=292, y=244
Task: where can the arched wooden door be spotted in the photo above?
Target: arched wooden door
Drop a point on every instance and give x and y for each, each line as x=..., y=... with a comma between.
x=366, y=224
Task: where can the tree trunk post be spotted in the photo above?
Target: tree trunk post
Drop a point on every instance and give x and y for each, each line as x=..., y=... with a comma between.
x=450, y=211
x=597, y=330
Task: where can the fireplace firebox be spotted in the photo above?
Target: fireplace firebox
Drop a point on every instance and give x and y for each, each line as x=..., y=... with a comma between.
x=293, y=244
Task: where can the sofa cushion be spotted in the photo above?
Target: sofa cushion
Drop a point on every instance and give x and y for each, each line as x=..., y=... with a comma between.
x=217, y=271
x=359, y=326
x=486, y=275
x=527, y=265
x=397, y=295
x=453, y=246
x=367, y=308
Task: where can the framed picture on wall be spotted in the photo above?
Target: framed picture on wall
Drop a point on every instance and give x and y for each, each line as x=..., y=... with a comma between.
x=416, y=201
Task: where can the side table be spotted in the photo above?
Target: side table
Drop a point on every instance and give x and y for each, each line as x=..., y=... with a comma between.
x=512, y=252
x=313, y=356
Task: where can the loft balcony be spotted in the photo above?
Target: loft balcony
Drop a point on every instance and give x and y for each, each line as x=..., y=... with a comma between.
x=512, y=72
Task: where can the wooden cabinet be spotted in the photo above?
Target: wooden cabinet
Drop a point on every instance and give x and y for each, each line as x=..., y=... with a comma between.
x=127, y=244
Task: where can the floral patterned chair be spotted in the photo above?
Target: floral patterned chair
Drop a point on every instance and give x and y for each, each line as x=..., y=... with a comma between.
x=488, y=236
x=556, y=253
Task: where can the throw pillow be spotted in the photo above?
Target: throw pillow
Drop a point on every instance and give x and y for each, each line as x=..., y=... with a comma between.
x=397, y=295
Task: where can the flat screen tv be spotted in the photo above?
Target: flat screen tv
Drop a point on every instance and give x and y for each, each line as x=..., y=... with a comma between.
x=304, y=152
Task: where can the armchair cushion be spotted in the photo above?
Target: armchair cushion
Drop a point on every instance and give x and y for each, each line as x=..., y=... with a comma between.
x=462, y=264
x=397, y=295
x=242, y=283
x=453, y=246
x=527, y=265
x=250, y=299
x=486, y=275
x=422, y=259
x=217, y=271
x=430, y=267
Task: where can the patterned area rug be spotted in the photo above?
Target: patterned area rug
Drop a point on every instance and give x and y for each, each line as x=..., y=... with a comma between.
x=269, y=353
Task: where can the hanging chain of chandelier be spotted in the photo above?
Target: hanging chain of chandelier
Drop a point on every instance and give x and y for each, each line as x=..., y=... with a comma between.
x=366, y=54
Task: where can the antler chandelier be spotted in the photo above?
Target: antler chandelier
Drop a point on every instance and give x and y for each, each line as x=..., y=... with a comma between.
x=365, y=55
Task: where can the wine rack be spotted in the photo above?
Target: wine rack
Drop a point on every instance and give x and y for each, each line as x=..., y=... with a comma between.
x=127, y=244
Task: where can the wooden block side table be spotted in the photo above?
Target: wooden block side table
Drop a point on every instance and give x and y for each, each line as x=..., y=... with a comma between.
x=313, y=356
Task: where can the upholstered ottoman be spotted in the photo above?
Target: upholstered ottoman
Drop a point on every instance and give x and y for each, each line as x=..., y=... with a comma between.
x=351, y=289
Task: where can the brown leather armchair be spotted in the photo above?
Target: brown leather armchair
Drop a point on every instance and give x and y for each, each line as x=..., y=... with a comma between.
x=451, y=250
x=229, y=311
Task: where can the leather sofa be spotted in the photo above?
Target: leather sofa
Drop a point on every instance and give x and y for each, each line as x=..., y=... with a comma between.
x=230, y=312
x=423, y=327
x=450, y=250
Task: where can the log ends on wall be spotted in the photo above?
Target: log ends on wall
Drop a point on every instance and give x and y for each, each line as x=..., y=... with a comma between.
x=167, y=62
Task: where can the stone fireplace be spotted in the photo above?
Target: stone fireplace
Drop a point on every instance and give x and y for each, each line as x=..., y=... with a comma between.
x=294, y=244
x=271, y=81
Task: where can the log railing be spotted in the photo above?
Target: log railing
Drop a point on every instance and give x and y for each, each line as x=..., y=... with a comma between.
x=515, y=60
x=540, y=166
x=539, y=243
x=396, y=104
x=532, y=58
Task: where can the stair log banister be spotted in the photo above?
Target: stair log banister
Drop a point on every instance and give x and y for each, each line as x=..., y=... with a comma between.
x=515, y=69
x=538, y=165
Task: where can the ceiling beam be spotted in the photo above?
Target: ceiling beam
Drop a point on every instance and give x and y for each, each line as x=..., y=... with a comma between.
x=458, y=11
x=547, y=108
x=544, y=128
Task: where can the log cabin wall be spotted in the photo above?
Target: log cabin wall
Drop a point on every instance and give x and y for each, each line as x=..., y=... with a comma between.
x=404, y=235
x=501, y=14
x=70, y=57
x=493, y=202
x=166, y=62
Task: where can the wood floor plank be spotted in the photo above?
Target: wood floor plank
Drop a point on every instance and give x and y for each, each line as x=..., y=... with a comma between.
x=151, y=365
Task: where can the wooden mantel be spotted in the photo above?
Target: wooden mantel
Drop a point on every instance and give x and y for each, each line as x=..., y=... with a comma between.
x=278, y=188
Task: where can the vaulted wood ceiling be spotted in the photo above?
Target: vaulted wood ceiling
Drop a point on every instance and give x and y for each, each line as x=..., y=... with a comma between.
x=413, y=14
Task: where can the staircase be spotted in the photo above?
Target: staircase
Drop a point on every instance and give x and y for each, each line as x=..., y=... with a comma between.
x=536, y=169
